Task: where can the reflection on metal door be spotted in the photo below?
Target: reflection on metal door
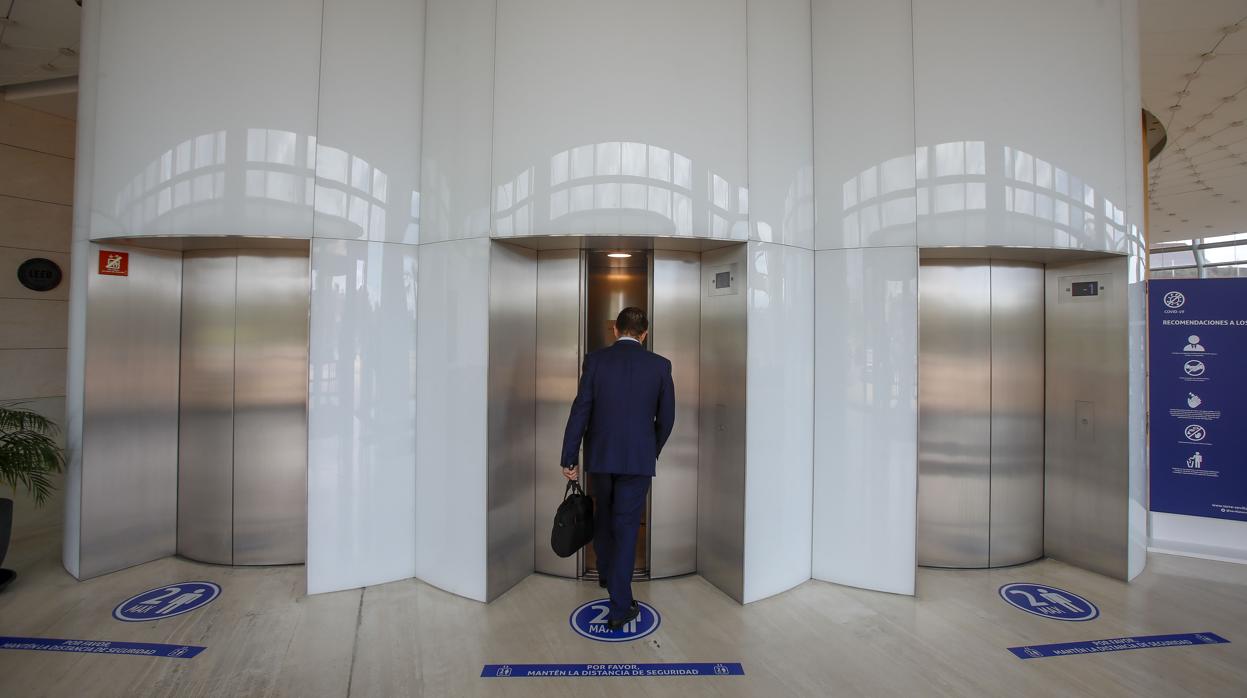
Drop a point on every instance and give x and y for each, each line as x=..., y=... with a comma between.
x=242, y=456
x=981, y=413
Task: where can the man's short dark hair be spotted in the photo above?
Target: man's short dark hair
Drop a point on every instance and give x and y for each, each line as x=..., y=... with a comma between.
x=632, y=322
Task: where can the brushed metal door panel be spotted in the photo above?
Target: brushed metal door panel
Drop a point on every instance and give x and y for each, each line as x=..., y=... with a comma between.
x=675, y=332
x=721, y=434
x=559, y=296
x=954, y=414
x=1087, y=473
x=206, y=408
x=130, y=413
x=270, y=408
x=510, y=495
x=1017, y=412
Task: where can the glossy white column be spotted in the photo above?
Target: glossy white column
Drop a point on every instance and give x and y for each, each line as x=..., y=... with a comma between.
x=866, y=418
x=1018, y=120
x=369, y=119
x=361, y=415
x=203, y=117
x=452, y=362
x=864, y=123
x=779, y=418
x=781, y=122
x=621, y=118
x=458, y=121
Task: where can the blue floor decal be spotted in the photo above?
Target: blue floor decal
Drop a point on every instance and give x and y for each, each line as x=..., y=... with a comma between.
x=138, y=649
x=1117, y=644
x=517, y=671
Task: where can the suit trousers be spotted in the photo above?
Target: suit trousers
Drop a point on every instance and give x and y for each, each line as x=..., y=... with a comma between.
x=619, y=502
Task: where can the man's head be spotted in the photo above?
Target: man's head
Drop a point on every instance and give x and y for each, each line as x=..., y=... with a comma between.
x=632, y=323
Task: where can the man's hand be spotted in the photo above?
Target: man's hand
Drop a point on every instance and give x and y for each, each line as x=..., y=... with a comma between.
x=571, y=473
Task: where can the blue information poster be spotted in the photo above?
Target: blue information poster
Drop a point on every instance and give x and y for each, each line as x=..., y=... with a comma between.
x=1198, y=384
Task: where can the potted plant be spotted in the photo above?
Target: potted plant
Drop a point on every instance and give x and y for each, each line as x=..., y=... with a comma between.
x=29, y=457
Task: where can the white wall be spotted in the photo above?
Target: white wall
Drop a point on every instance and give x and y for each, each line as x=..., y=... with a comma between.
x=361, y=415
x=779, y=418
x=458, y=119
x=452, y=356
x=866, y=417
x=584, y=137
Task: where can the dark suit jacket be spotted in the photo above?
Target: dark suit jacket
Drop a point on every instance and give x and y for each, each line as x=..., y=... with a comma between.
x=624, y=410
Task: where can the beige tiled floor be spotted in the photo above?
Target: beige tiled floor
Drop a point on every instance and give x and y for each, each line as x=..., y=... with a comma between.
x=265, y=638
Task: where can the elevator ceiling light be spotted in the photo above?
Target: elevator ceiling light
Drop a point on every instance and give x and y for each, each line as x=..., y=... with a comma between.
x=619, y=255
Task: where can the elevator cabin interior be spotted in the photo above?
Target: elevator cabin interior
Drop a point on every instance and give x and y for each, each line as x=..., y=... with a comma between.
x=579, y=294
x=1022, y=409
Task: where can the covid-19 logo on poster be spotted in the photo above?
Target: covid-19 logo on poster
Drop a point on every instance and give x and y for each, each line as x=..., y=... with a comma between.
x=1174, y=299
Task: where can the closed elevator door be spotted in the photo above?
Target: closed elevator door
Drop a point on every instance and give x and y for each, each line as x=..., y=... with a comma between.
x=242, y=452
x=981, y=413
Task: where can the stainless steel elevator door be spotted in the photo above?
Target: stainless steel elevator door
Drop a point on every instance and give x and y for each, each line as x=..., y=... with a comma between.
x=981, y=413
x=242, y=452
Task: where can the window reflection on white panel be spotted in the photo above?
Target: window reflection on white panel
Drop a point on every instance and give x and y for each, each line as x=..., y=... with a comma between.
x=582, y=162
x=166, y=166
x=1088, y=196
x=606, y=195
x=897, y=174
x=281, y=148
x=920, y=162
x=976, y=195
x=849, y=189
x=558, y=168
x=607, y=158
x=742, y=201
x=976, y=158
x=1023, y=166
x=660, y=201
x=659, y=163
x=582, y=197
x=504, y=200
x=869, y=220
x=558, y=203
x=868, y=184
x=634, y=195
x=1043, y=174
x=182, y=160
x=950, y=159
x=330, y=202
x=181, y=193
x=332, y=164
x=682, y=214
x=1044, y=206
x=898, y=211
x=1061, y=181
x=376, y=222
x=201, y=188
x=1024, y=201
x=683, y=172
x=718, y=189
x=1061, y=212
x=633, y=164
x=950, y=197
x=360, y=174
x=358, y=213
x=256, y=145
x=522, y=185
x=380, y=185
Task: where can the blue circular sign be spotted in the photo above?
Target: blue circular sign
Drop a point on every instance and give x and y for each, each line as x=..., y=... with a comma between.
x=1049, y=602
x=590, y=620
x=166, y=601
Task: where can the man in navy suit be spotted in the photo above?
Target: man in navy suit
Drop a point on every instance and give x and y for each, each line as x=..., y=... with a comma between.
x=624, y=411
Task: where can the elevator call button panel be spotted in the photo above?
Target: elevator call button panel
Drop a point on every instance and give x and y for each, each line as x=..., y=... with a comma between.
x=721, y=280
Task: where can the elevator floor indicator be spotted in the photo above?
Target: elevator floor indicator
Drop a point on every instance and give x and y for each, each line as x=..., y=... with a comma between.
x=166, y=601
x=1048, y=601
x=590, y=620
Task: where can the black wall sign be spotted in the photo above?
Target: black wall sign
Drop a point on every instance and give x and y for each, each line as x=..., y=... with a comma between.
x=39, y=274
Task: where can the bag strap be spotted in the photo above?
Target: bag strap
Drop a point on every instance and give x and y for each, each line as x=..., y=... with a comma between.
x=572, y=485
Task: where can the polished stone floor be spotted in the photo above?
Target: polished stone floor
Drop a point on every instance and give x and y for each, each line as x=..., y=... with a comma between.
x=264, y=637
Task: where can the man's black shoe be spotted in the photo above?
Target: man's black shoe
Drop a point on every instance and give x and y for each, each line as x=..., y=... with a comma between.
x=602, y=582
x=631, y=615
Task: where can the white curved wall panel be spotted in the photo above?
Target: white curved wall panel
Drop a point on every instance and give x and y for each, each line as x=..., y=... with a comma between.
x=1019, y=111
x=866, y=418
x=620, y=119
x=781, y=123
x=204, y=114
x=458, y=126
x=361, y=485
x=779, y=418
x=864, y=123
x=452, y=362
x=368, y=123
